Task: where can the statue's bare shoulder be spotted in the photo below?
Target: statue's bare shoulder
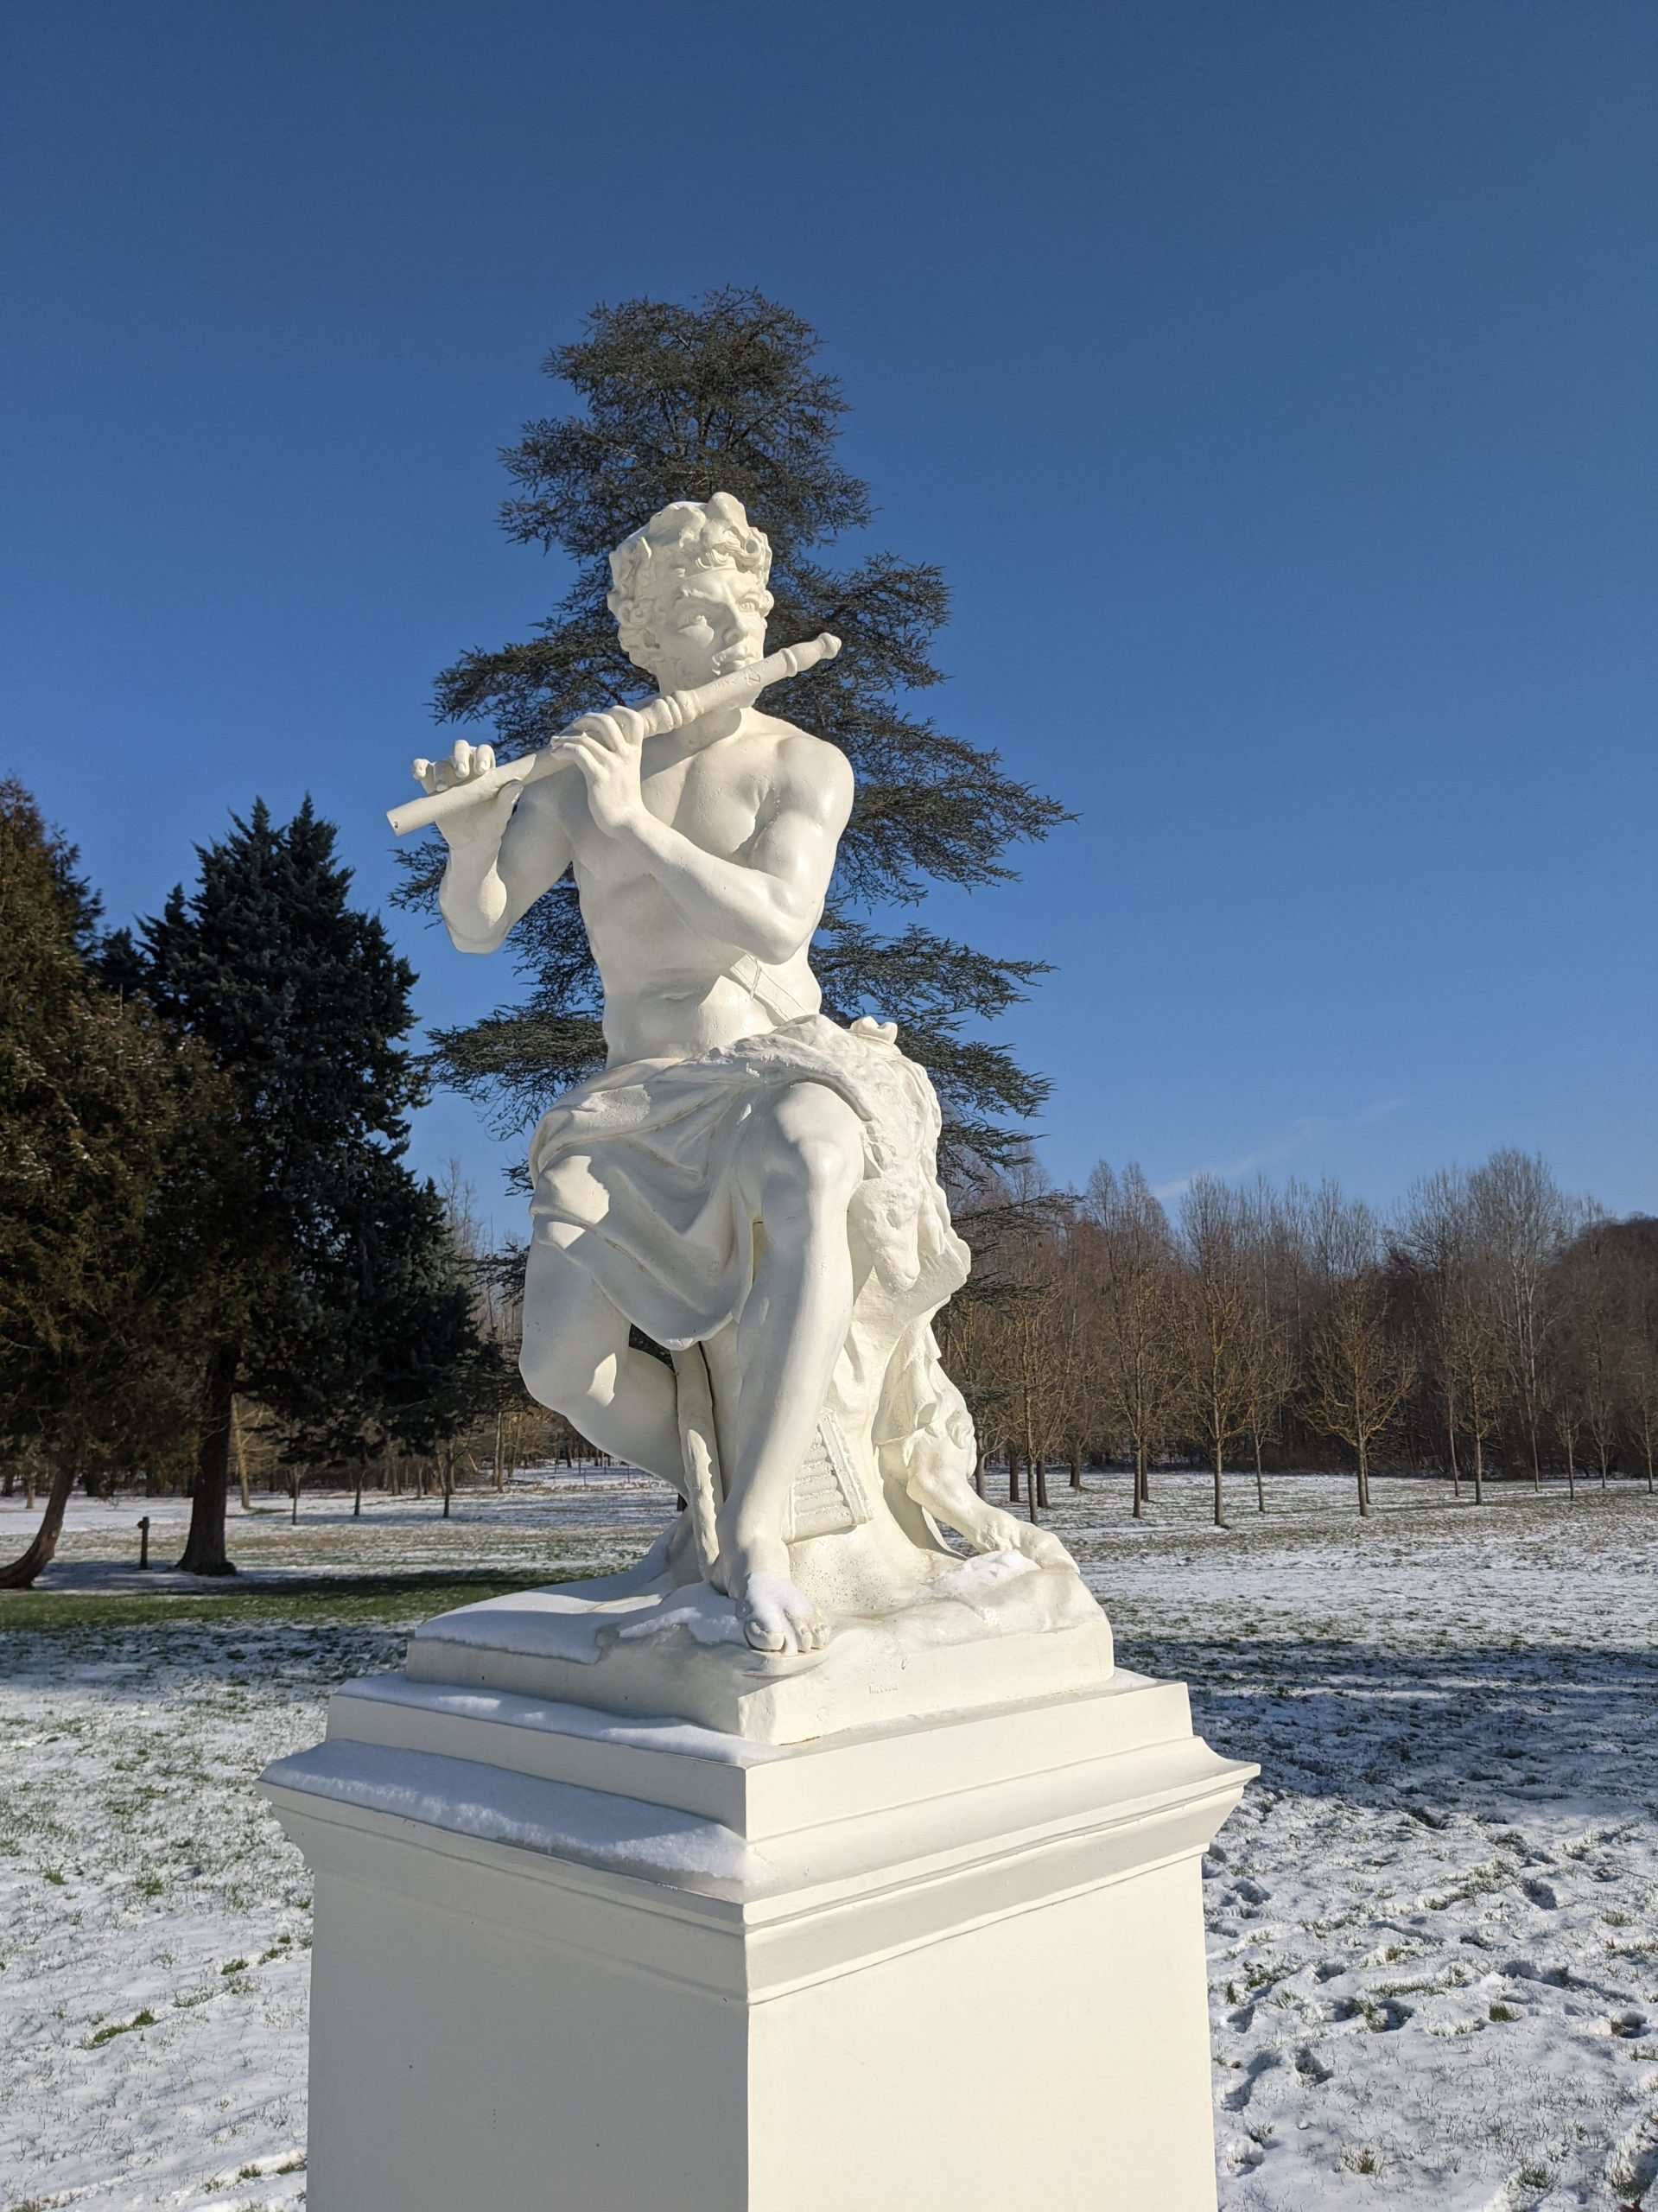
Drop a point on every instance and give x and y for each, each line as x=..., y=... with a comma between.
x=803, y=774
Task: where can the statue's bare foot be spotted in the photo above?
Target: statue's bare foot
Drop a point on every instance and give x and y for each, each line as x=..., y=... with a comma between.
x=776, y=1616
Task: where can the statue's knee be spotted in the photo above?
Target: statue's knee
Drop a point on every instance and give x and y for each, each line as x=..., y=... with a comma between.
x=568, y=1336
x=812, y=1149
x=550, y=1375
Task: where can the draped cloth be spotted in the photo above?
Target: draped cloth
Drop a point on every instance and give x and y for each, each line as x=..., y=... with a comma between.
x=639, y=1163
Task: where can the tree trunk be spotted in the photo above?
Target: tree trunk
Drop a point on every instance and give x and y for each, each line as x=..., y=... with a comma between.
x=241, y=1457
x=293, y=1489
x=1479, y=1468
x=1220, y=1502
x=1014, y=1492
x=356, y=1500
x=1456, y=1474
x=1077, y=1467
x=1260, y=1487
x=1140, y=1480
x=1039, y=1469
x=204, y=1547
x=1364, y=1483
x=446, y=1475
x=20, y=1574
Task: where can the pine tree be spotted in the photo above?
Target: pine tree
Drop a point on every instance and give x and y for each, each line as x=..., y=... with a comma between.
x=679, y=403
x=341, y=1308
x=104, y=1118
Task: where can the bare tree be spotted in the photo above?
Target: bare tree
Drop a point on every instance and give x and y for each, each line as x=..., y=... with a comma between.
x=1440, y=1236
x=1138, y=1341
x=1522, y=1223
x=1358, y=1370
x=1601, y=1334
x=1216, y=1346
x=1274, y=1314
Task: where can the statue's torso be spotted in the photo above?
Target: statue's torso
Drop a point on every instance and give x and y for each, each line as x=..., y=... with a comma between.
x=669, y=991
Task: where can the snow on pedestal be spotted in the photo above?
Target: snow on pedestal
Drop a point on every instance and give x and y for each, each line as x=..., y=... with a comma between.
x=572, y=1961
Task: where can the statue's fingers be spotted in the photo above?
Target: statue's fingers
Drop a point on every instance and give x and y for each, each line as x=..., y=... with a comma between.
x=606, y=731
x=483, y=759
x=460, y=759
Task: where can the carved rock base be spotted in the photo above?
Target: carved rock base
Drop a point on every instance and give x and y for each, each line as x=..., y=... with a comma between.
x=569, y=1962
x=981, y=1632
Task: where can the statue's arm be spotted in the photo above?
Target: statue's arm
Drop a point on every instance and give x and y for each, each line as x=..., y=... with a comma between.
x=517, y=850
x=767, y=899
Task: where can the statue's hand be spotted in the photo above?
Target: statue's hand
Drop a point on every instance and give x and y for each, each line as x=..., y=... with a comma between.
x=606, y=748
x=480, y=825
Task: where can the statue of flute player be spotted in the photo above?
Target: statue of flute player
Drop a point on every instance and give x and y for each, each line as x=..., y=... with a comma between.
x=750, y=1184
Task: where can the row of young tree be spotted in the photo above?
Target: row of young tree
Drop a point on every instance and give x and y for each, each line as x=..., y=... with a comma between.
x=206, y=1217
x=1491, y=1326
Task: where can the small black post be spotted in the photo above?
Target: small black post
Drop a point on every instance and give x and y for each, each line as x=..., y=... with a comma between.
x=144, y=1540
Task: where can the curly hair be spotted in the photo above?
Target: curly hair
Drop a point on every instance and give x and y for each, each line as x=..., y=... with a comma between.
x=687, y=535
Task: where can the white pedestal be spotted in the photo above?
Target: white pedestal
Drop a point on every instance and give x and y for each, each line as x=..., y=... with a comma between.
x=569, y=1962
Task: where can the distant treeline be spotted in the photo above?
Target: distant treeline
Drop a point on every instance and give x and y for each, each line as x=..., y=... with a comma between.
x=1491, y=1324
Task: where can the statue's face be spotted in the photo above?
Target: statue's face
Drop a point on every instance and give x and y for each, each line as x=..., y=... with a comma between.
x=711, y=621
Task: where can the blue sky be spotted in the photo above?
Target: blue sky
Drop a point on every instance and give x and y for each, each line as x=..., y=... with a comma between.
x=1274, y=383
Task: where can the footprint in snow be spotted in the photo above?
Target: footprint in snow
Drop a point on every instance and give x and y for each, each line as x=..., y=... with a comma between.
x=1263, y=2062
x=1541, y=1894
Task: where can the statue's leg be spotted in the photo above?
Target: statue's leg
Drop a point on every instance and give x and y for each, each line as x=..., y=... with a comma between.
x=576, y=1359
x=800, y=1161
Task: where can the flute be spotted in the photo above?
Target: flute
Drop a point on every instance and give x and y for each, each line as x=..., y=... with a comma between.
x=669, y=712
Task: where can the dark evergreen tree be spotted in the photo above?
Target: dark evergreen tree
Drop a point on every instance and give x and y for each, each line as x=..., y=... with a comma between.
x=680, y=403
x=105, y=1119
x=341, y=1306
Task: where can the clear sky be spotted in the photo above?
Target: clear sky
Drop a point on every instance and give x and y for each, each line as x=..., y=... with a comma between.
x=1276, y=383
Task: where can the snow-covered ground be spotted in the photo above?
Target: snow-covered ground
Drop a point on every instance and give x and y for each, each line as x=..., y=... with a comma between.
x=1433, y=1924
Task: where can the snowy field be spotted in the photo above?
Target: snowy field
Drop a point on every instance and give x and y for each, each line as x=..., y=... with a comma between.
x=1433, y=1924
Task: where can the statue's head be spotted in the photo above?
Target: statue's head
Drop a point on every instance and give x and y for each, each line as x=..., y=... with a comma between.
x=689, y=595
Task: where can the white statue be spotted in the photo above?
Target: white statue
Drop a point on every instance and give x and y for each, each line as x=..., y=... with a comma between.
x=751, y=1185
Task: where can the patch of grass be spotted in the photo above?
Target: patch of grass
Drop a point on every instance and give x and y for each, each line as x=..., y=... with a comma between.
x=234, y=1966
x=1502, y=2012
x=54, y=1875
x=344, y=1599
x=144, y=2019
x=1361, y=2162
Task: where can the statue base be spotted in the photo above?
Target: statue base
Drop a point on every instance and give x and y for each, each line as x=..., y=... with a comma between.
x=573, y=1962
x=979, y=1632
